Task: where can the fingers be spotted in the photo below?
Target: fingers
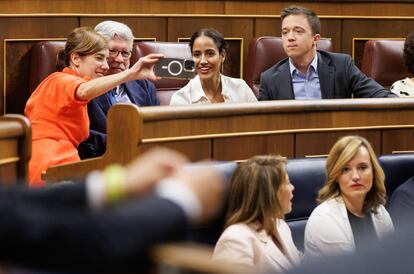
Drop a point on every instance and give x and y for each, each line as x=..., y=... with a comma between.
x=208, y=186
x=154, y=165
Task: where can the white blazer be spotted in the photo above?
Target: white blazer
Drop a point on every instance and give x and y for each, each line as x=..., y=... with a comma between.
x=241, y=243
x=328, y=230
x=234, y=90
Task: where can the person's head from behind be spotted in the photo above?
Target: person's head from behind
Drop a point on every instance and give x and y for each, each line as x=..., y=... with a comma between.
x=353, y=172
x=208, y=49
x=260, y=192
x=120, y=40
x=85, y=52
x=300, y=31
x=409, y=53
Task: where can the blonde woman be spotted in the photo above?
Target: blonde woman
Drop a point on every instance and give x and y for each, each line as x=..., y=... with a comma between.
x=256, y=235
x=351, y=210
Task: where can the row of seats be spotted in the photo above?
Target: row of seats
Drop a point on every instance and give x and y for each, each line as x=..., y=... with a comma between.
x=308, y=176
x=382, y=60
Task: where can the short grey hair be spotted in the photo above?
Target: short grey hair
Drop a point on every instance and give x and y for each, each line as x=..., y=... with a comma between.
x=110, y=29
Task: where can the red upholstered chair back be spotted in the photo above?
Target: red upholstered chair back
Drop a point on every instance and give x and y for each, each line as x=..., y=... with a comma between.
x=165, y=87
x=43, y=61
x=266, y=51
x=383, y=61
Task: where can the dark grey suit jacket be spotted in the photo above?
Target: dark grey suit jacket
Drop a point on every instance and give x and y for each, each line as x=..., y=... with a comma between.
x=338, y=78
x=401, y=205
x=53, y=229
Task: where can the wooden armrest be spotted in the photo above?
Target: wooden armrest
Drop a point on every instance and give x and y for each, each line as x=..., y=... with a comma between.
x=193, y=257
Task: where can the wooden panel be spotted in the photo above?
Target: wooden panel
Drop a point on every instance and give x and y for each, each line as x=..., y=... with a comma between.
x=321, y=8
x=241, y=148
x=142, y=27
x=397, y=140
x=320, y=143
x=111, y=6
x=267, y=27
x=15, y=148
x=229, y=27
x=369, y=28
x=8, y=174
x=29, y=27
x=317, y=124
x=332, y=28
x=195, y=150
x=9, y=148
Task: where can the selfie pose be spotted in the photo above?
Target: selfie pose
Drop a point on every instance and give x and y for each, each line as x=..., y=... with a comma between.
x=208, y=49
x=57, y=108
x=140, y=92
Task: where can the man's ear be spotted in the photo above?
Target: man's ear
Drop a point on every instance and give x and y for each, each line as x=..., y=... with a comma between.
x=316, y=38
x=75, y=59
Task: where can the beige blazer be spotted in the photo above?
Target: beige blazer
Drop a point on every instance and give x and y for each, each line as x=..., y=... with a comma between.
x=241, y=243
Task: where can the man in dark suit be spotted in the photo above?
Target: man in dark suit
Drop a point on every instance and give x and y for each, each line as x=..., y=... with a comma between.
x=401, y=205
x=67, y=228
x=138, y=92
x=311, y=74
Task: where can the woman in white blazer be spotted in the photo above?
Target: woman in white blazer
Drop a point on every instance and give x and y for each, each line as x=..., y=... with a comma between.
x=351, y=210
x=208, y=49
x=256, y=235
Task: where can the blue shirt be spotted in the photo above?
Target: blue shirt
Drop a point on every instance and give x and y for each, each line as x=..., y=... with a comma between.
x=306, y=86
x=120, y=94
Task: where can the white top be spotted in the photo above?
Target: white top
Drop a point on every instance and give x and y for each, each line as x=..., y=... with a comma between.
x=241, y=243
x=234, y=90
x=403, y=88
x=329, y=232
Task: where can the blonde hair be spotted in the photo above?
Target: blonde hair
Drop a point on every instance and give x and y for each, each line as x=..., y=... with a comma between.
x=341, y=153
x=84, y=41
x=253, y=192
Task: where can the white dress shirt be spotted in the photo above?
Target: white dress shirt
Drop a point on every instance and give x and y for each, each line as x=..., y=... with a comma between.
x=233, y=90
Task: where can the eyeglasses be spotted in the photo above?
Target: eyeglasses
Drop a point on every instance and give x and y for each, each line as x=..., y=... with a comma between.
x=114, y=53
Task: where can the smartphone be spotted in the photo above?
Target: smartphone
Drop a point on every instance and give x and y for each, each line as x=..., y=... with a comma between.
x=175, y=68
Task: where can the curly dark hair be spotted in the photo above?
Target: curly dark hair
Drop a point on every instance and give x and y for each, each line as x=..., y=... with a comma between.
x=409, y=52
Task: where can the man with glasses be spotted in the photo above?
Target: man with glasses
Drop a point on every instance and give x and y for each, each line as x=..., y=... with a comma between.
x=139, y=92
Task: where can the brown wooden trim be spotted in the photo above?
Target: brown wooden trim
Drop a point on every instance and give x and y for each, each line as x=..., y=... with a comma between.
x=249, y=16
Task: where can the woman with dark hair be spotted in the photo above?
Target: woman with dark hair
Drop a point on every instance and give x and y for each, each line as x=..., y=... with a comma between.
x=351, y=210
x=57, y=109
x=405, y=87
x=256, y=235
x=208, y=49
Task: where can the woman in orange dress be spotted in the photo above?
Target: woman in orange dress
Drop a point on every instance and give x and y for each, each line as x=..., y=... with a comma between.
x=57, y=108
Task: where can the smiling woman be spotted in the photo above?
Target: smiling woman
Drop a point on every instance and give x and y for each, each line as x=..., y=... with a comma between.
x=351, y=211
x=208, y=49
x=57, y=108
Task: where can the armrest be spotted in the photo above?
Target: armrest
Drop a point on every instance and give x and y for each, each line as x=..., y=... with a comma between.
x=192, y=257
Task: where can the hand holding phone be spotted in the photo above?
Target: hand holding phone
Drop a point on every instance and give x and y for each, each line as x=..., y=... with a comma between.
x=175, y=68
